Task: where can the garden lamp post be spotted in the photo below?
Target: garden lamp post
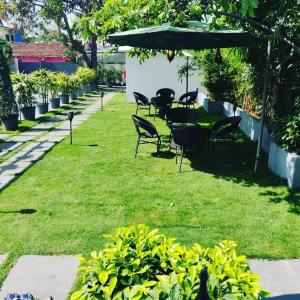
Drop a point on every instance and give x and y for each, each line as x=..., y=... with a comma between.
x=102, y=95
x=70, y=115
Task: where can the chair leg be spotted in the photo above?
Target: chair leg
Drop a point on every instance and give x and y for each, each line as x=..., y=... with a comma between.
x=149, y=109
x=170, y=141
x=137, y=108
x=137, y=147
x=158, y=146
x=176, y=152
x=180, y=167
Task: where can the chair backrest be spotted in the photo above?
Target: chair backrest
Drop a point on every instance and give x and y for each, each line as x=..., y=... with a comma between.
x=145, y=125
x=180, y=115
x=226, y=126
x=140, y=98
x=189, y=98
x=191, y=137
x=165, y=93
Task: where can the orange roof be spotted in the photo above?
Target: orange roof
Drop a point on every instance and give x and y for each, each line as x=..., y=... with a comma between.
x=38, y=50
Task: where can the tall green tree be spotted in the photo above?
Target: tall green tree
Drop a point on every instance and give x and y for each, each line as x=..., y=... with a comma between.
x=8, y=105
x=62, y=13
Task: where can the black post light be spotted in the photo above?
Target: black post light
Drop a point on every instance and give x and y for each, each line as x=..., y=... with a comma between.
x=203, y=293
x=102, y=95
x=70, y=115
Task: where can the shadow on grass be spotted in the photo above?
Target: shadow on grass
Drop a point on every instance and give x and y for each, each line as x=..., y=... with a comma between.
x=86, y=145
x=26, y=211
x=293, y=198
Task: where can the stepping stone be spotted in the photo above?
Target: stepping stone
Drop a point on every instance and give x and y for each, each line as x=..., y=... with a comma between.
x=4, y=136
x=8, y=146
x=31, y=155
x=14, y=167
x=42, y=276
x=54, y=139
x=33, y=132
x=22, y=138
x=5, y=180
x=2, y=258
x=38, y=146
x=280, y=278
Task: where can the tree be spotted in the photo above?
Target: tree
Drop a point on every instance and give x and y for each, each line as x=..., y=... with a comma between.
x=59, y=12
x=8, y=105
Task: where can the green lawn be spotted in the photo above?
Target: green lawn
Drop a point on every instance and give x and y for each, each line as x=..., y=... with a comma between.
x=76, y=193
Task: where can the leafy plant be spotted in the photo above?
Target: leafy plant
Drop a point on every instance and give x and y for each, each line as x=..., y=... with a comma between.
x=24, y=87
x=42, y=81
x=75, y=83
x=64, y=83
x=86, y=75
x=53, y=84
x=8, y=105
x=215, y=75
x=144, y=264
x=286, y=130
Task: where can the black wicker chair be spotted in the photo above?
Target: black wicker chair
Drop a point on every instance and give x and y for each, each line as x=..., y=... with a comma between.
x=147, y=133
x=142, y=102
x=163, y=101
x=188, y=99
x=180, y=115
x=192, y=138
x=226, y=129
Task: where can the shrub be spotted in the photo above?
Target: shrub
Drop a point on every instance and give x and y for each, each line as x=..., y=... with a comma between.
x=64, y=83
x=86, y=75
x=8, y=105
x=24, y=87
x=286, y=130
x=216, y=76
x=143, y=264
x=42, y=81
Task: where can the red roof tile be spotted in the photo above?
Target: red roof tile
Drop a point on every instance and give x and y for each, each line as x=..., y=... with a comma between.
x=43, y=50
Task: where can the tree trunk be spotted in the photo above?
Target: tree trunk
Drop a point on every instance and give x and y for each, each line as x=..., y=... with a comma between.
x=93, y=59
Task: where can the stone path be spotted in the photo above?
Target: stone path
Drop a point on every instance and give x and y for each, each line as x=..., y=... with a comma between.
x=42, y=276
x=281, y=278
x=40, y=140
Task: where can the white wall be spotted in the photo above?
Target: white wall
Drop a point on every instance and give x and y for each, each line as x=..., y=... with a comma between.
x=155, y=73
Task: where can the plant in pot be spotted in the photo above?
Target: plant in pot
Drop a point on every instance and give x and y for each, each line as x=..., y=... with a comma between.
x=64, y=87
x=54, y=89
x=75, y=86
x=8, y=106
x=24, y=88
x=42, y=83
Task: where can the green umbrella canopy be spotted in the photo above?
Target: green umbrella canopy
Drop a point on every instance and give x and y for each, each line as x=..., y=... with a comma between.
x=195, y=35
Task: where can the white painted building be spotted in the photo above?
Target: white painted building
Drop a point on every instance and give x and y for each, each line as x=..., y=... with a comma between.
x=155, y=73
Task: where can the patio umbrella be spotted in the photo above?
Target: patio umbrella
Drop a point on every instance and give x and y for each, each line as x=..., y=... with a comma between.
x=194, y=35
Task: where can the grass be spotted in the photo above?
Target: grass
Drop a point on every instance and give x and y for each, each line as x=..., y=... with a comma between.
x=75, y=194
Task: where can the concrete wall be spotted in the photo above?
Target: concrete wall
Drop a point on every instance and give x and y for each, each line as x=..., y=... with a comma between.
x=285, y=164
x=155, y=73
x=280, y=162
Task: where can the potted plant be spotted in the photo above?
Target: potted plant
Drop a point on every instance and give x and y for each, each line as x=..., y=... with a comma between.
x=24, y=88
x=42, y=82
x=54, y=89
x=8, y=106
x=75, y=86
x=64, y=87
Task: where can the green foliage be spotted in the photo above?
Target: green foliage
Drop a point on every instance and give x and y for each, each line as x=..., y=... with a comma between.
x=216, y=75
x=86, y=75
x=144, y=264
x=286, y=130
x=64, y=83
x=24, y=87
x=8, y=105
x=43, y=82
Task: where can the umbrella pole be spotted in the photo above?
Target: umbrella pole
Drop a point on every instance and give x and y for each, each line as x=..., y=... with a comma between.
x=187, y=75
x=263, y=111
